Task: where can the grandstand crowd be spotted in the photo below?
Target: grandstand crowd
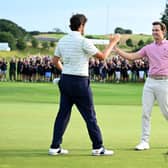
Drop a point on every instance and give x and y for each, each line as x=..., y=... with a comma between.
x=41, y=69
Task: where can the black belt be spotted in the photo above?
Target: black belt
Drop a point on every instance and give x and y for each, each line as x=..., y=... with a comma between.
x=75, y=76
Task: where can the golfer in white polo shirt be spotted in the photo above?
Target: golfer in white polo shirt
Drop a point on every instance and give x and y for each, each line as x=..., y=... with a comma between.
x=75, y=50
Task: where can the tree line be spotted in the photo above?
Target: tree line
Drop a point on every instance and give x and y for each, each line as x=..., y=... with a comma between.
x=19, y=38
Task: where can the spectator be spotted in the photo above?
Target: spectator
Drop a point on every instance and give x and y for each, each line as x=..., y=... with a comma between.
x=12, y=70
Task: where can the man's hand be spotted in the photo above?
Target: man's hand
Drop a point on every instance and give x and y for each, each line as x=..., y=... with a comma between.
x=115, y=38
x=56, y=61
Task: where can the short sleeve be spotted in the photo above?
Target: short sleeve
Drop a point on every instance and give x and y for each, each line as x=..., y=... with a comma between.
x=142, y=52
x=89, y=48
x=57, y=51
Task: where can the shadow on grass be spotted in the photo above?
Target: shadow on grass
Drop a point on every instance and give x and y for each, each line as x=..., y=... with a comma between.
x=73, y=153
x=152, y=148
x=22, y=153
x=166, y=156
x=41, y=153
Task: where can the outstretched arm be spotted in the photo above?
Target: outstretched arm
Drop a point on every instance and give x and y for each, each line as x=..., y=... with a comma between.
x=129, y=56
x=113, y=41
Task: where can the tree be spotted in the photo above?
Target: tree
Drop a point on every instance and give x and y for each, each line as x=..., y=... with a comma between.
x=45, y=45
x=57, y=30
x=129, y=42
x=13, y=28
x=15, y=35
x=21, y=44
x=122, y=31
x=119, y=30
x=128, y=31
x=8, y=37
x=33, y=33
x=34, y=43
x=52, y=44
x=164, y=17
x=141, y=43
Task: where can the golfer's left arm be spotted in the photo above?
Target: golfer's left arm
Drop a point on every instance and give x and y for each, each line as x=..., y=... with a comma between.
x=57, y=62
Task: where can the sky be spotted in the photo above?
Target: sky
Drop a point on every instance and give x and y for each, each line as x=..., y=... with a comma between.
x=103, y=15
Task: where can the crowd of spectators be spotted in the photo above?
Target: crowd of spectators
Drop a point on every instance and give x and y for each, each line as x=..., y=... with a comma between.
x=117, y=69
x=30, y=69
x=41, y=69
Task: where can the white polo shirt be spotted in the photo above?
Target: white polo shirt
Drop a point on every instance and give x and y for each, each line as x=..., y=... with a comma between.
x=75, y=50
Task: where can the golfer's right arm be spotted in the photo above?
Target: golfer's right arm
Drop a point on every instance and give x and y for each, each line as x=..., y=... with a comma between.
x=129, y=56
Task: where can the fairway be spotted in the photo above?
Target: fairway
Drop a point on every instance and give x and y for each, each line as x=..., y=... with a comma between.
x=27, y=115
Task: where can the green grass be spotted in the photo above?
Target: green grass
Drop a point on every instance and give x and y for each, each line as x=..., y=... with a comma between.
x=27, y=114
x=57, y=36
x=25, y=53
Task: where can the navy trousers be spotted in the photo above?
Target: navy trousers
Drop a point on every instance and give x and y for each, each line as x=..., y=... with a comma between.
x=76, y=90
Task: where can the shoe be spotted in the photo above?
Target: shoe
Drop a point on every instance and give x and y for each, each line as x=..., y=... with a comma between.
x=102, y=151
x=57, y=151
x=142, y=146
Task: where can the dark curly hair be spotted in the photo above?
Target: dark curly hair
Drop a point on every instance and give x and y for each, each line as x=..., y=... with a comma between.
x=76, y=20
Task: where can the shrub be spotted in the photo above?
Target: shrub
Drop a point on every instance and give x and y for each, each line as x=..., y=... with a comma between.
x=21, y=44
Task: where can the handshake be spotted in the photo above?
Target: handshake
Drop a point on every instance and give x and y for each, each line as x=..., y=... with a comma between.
x=114, y=38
